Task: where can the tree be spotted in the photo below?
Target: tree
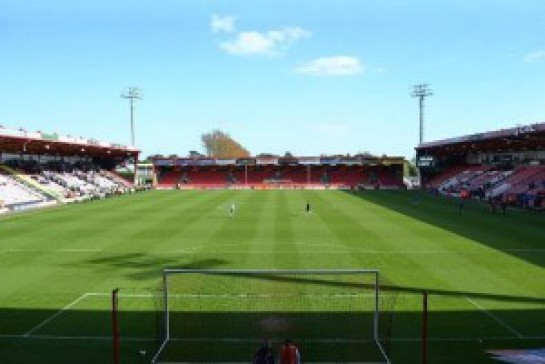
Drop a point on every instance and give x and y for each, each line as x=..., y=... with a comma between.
x=219, y=144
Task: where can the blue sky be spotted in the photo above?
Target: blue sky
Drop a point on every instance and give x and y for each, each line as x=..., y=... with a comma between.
x=309, y=77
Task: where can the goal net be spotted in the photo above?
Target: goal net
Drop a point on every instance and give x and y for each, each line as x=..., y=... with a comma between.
x=213, y=316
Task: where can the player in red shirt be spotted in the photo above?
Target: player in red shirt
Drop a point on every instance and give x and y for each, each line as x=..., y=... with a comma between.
x=464, y=195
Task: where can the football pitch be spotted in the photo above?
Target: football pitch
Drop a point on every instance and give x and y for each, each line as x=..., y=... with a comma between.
x=484, y=272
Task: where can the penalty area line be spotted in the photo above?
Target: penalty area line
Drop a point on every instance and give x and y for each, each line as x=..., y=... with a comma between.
x=55, y=315
x=235, y=340
x=238, y=295
x=352, y=341
x=495, y=318
x=65, y=337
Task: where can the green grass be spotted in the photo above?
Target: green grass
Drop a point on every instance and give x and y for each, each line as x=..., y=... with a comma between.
x=484, y=272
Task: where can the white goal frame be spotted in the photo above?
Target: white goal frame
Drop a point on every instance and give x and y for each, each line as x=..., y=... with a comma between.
x=175, y=271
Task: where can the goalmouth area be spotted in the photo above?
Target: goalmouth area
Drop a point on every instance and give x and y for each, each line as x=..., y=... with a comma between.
x=483, y=273
x=333, y=314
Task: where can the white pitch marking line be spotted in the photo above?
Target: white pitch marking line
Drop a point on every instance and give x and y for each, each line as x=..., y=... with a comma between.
x=522, y=250
x=266, y=252
x=128, y=338
x=349, y=251
x=449, y=251
x=123, y=295
x=453, y=339
x=495, y=318
x=243, y=362
x=52, y=251
x=337, y=250
x=47, y=320
x=64, y=337
x=239, y=295
x=79, y=250
x=347, y=340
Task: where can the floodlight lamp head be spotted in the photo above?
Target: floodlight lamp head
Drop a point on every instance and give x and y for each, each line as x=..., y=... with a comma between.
x=132, y=93
x=421, y=90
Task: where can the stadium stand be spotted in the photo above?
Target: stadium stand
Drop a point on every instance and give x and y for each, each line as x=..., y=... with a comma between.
x=65, y=185
x=486, y=179
x=463, y=179
x=206, y=177
x=16, y=195
x=524, y=180
x=521, y=179
x=38, y=169
x=439, y=179
x=116, y=178
x=187, y=173
x=386, y=178
x=507, y=164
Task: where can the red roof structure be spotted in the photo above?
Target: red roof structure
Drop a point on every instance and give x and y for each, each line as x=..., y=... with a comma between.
x=520, y=138
x=20, y=140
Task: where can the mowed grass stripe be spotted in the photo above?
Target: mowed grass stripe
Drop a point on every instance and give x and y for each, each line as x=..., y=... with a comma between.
x=505, y=274
x=369, y=227
x=125, y=242
x=100, y=227
x=284, y=234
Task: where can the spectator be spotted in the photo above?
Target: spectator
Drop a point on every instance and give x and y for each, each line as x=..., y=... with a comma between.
x=289, y=353
x=492, y=204
x=264, y=354
x=503, y=204
x=539, y=202
x=464, y=195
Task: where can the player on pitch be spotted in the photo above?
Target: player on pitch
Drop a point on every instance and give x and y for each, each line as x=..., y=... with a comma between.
x=232, y=209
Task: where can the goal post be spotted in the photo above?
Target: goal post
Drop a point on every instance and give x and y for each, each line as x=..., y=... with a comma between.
x=213, y=315
x=115, y=325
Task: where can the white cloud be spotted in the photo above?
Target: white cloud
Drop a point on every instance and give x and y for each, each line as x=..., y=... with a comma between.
x=534, y=57
x=222, y=24
x=332, y=66
x=250, y=43
x=268, y=43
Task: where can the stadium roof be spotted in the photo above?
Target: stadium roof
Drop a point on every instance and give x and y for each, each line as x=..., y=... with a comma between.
x=519, y=138
x=20, y=140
